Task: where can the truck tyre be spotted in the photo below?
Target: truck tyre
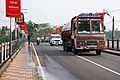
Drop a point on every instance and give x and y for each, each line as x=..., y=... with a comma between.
x=69, y=49
x=74, y=50
x=63, y=48
x=98, y=52
x=51, y=44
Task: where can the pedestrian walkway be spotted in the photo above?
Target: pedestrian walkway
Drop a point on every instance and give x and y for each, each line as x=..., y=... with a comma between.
x=20, y=68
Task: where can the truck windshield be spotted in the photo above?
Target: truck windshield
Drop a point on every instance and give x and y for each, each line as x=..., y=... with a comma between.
x=96, y=26
x=84, y=26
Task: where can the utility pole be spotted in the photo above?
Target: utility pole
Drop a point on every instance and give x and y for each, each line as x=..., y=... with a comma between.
x=113, y=21
x=10, y=38
x=113, y=32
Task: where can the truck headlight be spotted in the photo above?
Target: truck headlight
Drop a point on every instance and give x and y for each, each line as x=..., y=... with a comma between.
x=101, y=42
x=81, y=43
x=61, y=41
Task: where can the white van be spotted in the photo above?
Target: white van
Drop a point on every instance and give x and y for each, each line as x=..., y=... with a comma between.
x=55, y=39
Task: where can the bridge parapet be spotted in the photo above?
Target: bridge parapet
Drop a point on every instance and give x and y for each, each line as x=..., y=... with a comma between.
x=5, y=50
x=113, y=44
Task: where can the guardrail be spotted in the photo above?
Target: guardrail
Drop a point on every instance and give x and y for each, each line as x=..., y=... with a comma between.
x=5, y=50
x=113, y=44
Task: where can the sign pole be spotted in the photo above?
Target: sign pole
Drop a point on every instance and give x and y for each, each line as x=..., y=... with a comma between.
x=10, y=37
x=15, y=31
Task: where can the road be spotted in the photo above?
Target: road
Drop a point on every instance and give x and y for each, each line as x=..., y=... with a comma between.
x=60, y=65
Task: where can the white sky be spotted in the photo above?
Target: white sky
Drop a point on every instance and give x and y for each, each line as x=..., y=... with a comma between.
x=59, y=12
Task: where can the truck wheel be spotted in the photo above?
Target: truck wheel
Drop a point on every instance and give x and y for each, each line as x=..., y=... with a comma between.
x=69, y=49
x=98, y=52
x=66, y=48
x=74, y=50
x=51, y=44
x=63, y=48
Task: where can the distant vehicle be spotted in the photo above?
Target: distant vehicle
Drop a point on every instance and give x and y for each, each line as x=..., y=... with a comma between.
x=55, y=39
x=46, y=39
x=85, y=32
x=38, y=40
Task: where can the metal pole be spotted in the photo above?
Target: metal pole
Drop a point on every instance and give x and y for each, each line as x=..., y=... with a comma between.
x=108, y=43
x=113, y=32
x=15, y=31
x=113, y=29
x=10, y=38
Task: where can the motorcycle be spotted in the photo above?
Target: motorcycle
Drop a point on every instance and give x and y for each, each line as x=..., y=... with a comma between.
x=38, y=42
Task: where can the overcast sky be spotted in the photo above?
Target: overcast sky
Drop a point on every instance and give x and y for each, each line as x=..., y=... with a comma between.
x=59, y=12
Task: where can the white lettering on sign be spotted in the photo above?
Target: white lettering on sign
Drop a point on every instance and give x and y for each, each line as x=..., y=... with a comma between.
x=14, y=7
x=13, y=2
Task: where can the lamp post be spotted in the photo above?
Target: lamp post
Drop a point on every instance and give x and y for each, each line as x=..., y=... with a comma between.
x=106, y=12
x=113, y=28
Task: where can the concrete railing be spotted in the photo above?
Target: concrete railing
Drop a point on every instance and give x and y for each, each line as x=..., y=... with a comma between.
x=5, y=50
x=113, y=44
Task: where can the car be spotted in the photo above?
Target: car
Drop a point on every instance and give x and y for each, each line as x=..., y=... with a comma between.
x=55, y=39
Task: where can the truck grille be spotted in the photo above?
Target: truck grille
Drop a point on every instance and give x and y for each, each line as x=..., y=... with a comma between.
x=57, y=40
x=92, y=42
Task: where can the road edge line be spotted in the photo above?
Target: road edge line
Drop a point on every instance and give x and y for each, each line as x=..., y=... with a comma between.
x=39, y=64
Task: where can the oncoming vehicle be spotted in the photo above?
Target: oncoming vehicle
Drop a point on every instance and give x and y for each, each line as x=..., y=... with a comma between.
x=55, y=39
x=38, y=40
x=85, y=32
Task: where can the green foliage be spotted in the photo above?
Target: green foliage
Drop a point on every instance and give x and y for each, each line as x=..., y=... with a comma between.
x=4, y=34
x=4, y=38
x=109, y=34
x=39, y=29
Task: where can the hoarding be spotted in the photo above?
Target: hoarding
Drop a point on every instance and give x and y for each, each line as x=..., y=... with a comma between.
x=23, y=26
x=13, y=8
x=57, y=30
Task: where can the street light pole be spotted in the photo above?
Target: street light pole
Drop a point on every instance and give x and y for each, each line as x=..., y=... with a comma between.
x=113, y=32
x=106, y=12
x=113, y=28
x=10, y=37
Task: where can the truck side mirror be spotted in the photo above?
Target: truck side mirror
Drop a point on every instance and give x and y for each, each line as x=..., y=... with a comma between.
x=104, y=28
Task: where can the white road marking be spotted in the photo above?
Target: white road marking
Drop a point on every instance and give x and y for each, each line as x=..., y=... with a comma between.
x=42, y=72
x=108, y=69
x=111, y=55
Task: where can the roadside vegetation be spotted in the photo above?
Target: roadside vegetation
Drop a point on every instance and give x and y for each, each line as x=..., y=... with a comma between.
x=41, y=30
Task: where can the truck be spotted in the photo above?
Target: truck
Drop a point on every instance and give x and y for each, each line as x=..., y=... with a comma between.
x=55, y=39
x=85, y=32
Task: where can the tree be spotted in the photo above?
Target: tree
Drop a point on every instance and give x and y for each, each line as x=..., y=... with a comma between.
x=4, y=36
x=39, y=29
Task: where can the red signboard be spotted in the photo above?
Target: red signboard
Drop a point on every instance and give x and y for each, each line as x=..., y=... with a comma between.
x=23, y=26
x=101, y=16
x=58, y=30
x=13, y=8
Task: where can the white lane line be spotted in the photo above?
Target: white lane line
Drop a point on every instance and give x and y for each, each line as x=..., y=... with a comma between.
x=39, y=64
x=111, y=55
x=108, y=69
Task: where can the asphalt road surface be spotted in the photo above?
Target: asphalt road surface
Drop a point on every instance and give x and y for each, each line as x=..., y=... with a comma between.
x=61, y=65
